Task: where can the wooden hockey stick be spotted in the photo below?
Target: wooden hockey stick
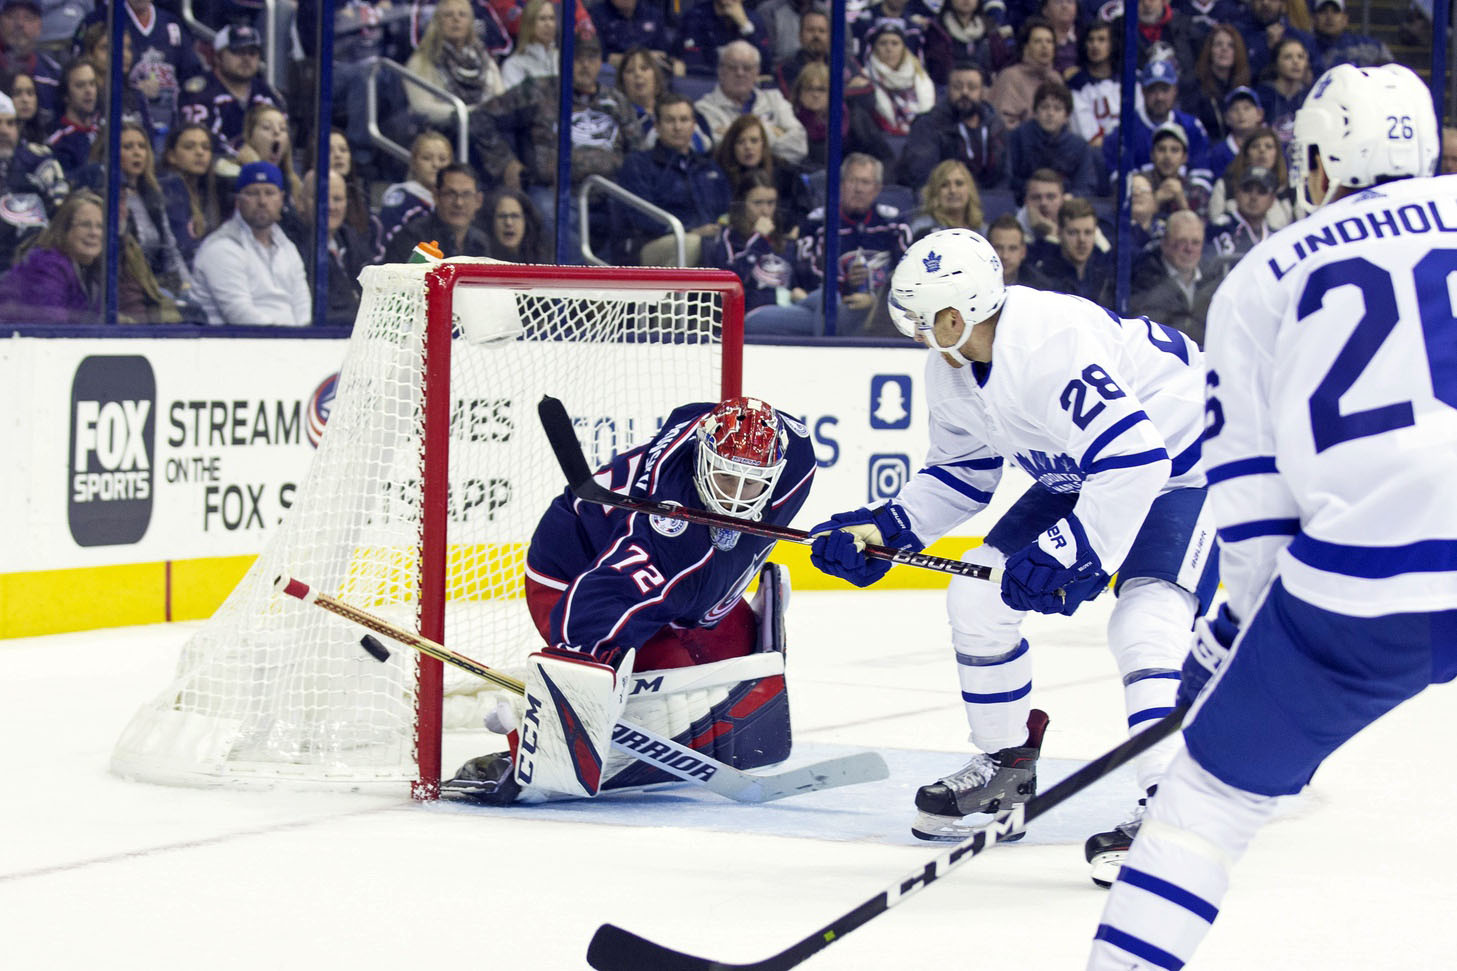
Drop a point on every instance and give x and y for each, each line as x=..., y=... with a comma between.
x=558, y=426
x=663, y=753
x=615, y=949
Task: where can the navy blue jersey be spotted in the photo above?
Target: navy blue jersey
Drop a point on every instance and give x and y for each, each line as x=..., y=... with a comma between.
x=207, y=101
x=626, y=575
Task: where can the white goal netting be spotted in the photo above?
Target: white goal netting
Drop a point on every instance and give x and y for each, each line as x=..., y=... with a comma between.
x=271, y=690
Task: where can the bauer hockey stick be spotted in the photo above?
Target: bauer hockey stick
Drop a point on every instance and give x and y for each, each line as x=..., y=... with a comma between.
x=615, y=949
x=678, y=760
x=558, y=426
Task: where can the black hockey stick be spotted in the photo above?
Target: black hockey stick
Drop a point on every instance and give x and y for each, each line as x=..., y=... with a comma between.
x=558, y=426
x=615, y=949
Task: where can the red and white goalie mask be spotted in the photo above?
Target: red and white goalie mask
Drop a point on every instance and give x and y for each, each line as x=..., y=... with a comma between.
x=741, y=452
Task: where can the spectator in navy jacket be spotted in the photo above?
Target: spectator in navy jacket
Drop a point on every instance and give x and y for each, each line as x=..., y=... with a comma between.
x=1336, y=45
x=963, y=126
x=1160, y=90
x=625, y=24
x=712, y=24
x=1285, y=92
x=672, y=176
x=752, y=246
x=20, y=27
x=1077, y=266
x=1046, y=142
x=1266, y=23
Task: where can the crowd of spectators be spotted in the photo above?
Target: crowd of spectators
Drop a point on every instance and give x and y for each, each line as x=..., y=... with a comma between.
x=1001, y=116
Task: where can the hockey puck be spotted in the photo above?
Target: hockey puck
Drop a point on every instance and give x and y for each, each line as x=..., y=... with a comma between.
x=376, y=650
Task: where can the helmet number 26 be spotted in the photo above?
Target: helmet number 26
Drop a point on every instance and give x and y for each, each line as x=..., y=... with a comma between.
x=1401, y=127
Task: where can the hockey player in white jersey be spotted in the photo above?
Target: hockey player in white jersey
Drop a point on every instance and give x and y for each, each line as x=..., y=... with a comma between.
x=1106, y=415
x=1331, y=453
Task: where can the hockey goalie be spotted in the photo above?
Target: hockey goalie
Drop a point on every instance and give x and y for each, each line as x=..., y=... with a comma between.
x=644, y=617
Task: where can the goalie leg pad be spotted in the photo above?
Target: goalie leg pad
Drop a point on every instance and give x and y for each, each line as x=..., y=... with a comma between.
x=770, y=605
x=572, y=705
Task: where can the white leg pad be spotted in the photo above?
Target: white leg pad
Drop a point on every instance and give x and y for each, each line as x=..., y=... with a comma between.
x=992, y=661
x=1169, y=890
x=566, y=728
x=1149, y=633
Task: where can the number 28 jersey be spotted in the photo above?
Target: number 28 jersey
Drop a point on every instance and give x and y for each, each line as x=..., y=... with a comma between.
x=1332, y=448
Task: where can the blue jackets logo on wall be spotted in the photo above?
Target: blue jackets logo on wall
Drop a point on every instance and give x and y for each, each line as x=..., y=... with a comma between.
x=113, y=450
x=320, y=403
x=888, y=475
x=890, y=401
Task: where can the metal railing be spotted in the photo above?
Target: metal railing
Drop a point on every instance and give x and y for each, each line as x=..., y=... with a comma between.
x=674, y=224
x=402, y=152
x=272, y=62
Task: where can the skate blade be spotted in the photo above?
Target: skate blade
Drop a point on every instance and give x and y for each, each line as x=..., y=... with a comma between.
x=1105, y=867
x=952, y=829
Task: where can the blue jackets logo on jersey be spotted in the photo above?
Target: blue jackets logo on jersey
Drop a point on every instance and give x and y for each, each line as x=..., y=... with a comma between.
x=667, y=526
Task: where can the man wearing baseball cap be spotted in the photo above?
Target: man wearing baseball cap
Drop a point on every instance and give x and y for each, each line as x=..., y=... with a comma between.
x=1159, y=80
x=20, y=27
x=1243, y=113
x=1336, y=45
x=1233, y=234
x=221, y=100
x=247, y=271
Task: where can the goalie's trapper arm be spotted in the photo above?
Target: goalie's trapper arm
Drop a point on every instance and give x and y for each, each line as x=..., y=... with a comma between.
x=563, y=438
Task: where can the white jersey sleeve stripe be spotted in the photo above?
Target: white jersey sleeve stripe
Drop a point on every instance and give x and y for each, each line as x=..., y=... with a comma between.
x=1106, y=438
x=1257, y=465
x=1259, y=527
x=940, y=474
x=1188, y=458
x=1128, y=461
x=1375, y=562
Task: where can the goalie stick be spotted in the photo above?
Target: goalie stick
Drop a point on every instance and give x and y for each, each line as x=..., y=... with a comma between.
x=676, y=759
x=559, y=432
x=615, y=949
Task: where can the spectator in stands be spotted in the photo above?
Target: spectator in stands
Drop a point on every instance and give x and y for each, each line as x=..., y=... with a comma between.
x=145, y=208
x=1143, y=219
x=20, y=26
x=1174, y=187
x=189, y=187
x=58, y=279
x=1261, y=149
x=1265, y=24
x=1170, y=285
x=1045, y=142
x=1016, y=84
x=710, y=26
x=247, y=271
x=266, y=139
x=949, y=200
x=349, y=251
x=1208, y=14
x=784, y=20
x=451, y=224
x=96, y=48
x=903, y=89
x=810, y=97
x=514, y=227
x=912, y=15
x=1010, y=241
x=962, y=126
x=403, y=201
x=641, y=80
x=814, y=48
x=1038, y=215
x=1160, y=26
x=359, y=38
x=962, y=32
x=452, y=56
x=358, y=215
x=604, y=130
x=33, y=120
x=80, y=114
x=1097, y=94
x=1077, y=266
x=1242, y=117
x=220, y=100
x=536, y=54
x=490, y=24
x=745, y=150
x=1222, y=67
x=1283, y=94
x=753, y=247
x=161, y=59
x=737, y=94
x=1062, y=15
x=1233, y=234
x=1159, y=82
x=31, y=184
x=672, y=176
x=1449, y=151
x=626, y=25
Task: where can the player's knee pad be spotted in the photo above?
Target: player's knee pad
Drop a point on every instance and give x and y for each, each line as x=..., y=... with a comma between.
x=982, y=624
x=736, y=711
x=1151, y=625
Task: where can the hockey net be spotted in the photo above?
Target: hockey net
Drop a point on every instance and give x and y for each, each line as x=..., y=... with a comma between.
x=419, y=506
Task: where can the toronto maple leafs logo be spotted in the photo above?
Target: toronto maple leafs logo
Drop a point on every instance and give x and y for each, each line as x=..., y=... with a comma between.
x=1057, y=473
x=932, y=262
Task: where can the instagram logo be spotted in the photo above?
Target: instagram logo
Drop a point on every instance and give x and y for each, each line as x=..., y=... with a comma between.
x=888, y=474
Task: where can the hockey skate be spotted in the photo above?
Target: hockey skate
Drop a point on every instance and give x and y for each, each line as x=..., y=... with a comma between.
x=485, y=779
x=1106, y=852
x=989, y=783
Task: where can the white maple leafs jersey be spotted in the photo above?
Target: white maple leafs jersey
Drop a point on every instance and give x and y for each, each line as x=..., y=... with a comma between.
x=1332, y=350
x=1084, y=401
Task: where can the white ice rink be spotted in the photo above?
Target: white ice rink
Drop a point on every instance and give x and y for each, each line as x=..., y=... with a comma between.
x=97, y=872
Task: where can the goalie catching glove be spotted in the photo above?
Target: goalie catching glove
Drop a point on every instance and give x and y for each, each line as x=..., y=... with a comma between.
x=840, y=541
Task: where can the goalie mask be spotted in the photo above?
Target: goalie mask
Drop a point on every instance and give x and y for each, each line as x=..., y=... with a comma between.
x=952, y=268
x=742, y=448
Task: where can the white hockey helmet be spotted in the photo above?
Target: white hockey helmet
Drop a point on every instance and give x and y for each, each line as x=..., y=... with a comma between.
x=954, y=268
x=1369, y=124
x=742, y=449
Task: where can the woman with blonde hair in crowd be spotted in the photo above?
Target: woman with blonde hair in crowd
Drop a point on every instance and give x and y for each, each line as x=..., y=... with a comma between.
x=57, y=280
x=1223, y=65
x=452, y=55
x=189, y=187
x=949, y=200
x=403, y=201
x=266, y=139
x=903, y=90
x=536, y=49
x=1261, y=149
x=144, y=208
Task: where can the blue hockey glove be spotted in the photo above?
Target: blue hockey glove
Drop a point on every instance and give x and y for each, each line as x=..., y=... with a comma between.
x=1056, y=574
x=840, y=541
x=1212, y=642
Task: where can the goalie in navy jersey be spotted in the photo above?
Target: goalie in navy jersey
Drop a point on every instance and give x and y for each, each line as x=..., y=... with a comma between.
x=644, y=617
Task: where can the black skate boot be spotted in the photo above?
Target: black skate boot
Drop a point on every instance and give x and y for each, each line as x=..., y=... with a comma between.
x=989, y=783
x=486, y=779
x=1105, y=852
